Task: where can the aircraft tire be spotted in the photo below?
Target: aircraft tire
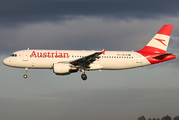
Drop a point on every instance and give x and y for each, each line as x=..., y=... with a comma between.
x=25, y=76
x=84, y=77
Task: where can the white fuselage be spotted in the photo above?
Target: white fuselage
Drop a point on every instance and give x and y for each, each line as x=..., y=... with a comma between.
x=44, y=59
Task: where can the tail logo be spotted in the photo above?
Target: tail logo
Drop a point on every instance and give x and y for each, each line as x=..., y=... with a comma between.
x=160, y=40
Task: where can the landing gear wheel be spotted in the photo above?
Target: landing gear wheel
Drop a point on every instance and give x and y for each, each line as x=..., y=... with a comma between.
x=84, y=77
x=25, y=76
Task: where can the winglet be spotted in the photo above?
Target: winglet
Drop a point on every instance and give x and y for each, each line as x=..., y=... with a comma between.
x=103, y=52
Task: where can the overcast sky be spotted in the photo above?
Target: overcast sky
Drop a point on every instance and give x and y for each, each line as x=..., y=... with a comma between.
x=151, y=91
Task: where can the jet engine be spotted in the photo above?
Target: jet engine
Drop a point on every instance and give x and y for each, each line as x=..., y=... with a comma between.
x=63, y=68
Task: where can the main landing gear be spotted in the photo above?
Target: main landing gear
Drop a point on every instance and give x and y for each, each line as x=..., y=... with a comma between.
x=83, y=76
x=25, y=75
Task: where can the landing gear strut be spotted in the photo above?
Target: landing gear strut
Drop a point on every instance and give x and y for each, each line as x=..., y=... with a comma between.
x=25, y=75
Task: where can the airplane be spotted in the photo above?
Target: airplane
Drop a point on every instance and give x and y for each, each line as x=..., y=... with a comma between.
x=64, y=62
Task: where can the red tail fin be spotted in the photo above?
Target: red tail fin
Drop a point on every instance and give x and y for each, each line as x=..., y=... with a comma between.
x=159, y=42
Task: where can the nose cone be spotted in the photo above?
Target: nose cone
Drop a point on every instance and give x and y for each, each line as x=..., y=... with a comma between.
x=5, y=61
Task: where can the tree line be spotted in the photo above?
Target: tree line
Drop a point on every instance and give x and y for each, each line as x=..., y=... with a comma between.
x=163, y=118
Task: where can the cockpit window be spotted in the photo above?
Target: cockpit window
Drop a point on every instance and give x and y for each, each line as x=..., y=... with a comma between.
x=13, y=55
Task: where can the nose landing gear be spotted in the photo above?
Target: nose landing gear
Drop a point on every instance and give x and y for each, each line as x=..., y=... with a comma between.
x=25, y=75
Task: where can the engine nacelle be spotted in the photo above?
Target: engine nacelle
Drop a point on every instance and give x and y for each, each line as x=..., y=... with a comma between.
x=63, y=69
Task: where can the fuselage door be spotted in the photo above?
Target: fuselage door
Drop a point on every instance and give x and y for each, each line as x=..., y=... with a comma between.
x=138, y=58
x=25, y=56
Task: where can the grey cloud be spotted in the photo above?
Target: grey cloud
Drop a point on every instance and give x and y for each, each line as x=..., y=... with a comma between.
x=86, y=33
x=19, y=12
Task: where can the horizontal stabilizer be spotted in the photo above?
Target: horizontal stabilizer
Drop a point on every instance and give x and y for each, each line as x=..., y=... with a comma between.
x=159, y=57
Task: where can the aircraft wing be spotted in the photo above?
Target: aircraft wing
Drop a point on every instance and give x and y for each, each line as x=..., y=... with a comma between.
x=87, y=60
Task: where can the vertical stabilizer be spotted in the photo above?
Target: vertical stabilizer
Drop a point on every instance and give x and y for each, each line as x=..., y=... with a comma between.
x=159, y=43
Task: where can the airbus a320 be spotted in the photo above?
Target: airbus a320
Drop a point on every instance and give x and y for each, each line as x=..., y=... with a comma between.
x=64, y=62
